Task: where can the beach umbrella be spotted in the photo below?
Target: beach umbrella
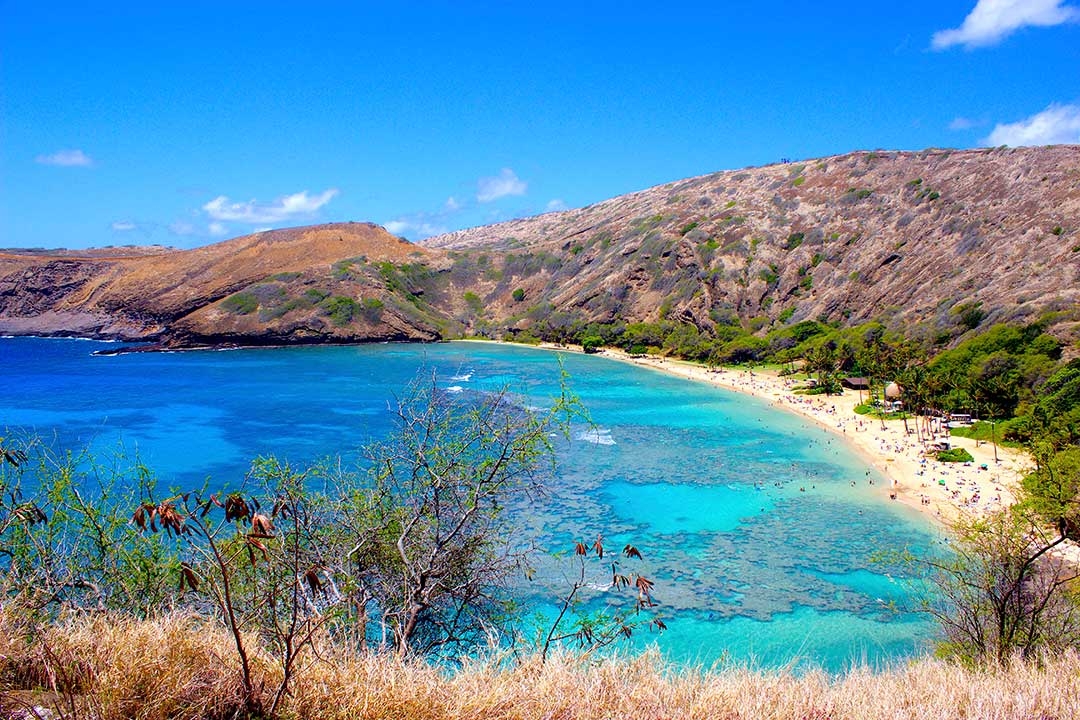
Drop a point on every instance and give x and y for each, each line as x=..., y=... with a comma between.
x=893, y=391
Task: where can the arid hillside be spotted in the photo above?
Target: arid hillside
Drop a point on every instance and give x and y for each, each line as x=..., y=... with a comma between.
x=932, y=238
x=325, y=283
x=901, y=236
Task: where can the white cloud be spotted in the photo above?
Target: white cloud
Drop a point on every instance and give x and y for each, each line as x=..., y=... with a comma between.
x=124, y=226
x=1056, y=124
x=283, y=209
x=993, y=20
x=452, y=204
x=217, y=229
x=555, y=205
x=65, y=158
x=504, y=184
x=962, y=123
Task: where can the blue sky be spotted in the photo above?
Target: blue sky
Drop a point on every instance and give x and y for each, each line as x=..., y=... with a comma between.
x=184, y=123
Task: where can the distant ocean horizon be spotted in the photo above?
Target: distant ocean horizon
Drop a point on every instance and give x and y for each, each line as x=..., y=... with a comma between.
x=759, y=529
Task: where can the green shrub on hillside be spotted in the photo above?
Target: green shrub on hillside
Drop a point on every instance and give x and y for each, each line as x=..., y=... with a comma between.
x=340, y=309
x=473, y=301
x=241, y=303
x=794, y=240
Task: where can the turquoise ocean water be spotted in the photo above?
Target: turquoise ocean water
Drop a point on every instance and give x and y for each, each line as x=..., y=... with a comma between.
x=761, y=549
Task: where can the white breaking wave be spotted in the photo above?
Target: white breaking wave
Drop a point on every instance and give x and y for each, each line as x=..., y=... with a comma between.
x=454, y=389
x=599, y=436
x=464, y=377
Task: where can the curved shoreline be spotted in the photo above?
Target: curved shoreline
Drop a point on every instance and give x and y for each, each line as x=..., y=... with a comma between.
x=913, y=478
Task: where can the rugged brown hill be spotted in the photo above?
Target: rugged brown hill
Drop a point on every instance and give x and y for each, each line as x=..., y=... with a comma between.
x=320, y=283
x=906, y=237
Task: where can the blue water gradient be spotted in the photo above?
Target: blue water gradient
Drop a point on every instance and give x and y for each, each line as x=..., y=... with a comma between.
x=761, y=548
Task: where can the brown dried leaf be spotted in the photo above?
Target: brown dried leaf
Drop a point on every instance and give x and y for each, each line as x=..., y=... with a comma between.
x=236, y=508
x=262, y=525
x=139, y=518
x=187, y=573
x=313, y=581
x=254, y=542
x=644, y=584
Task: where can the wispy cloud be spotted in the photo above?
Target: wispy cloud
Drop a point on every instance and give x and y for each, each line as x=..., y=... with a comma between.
x=181, y=228
x=128, y=226
x=963, y=123
x=217, y=229
x=65, y=158
x=285, y=208
x=555, y=205
x=504, y=184
x=994, y=20
x=1056, y=124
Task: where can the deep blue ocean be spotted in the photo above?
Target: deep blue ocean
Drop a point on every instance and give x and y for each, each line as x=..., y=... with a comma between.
x=761, y=549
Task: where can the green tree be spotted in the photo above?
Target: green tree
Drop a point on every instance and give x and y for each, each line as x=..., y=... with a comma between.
x=432, y=546
x=1053, y=490
x=1003, y=591
x=591, y=343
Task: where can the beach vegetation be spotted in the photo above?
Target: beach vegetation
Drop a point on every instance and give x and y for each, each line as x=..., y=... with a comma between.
x=591, y=343
x=956, y=454
x=983, y=432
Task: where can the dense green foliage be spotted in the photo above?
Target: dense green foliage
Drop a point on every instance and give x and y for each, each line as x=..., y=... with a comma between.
x=954, y=455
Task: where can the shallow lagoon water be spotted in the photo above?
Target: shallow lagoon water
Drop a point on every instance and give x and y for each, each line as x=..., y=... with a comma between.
x=705, y=482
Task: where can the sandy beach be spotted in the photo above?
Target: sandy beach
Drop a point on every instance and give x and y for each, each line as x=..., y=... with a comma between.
x=943, y=491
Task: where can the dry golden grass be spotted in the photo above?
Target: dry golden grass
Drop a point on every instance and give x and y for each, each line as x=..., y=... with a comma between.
x=182, y=667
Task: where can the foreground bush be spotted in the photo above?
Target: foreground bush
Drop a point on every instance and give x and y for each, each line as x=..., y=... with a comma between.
x=178, y=666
